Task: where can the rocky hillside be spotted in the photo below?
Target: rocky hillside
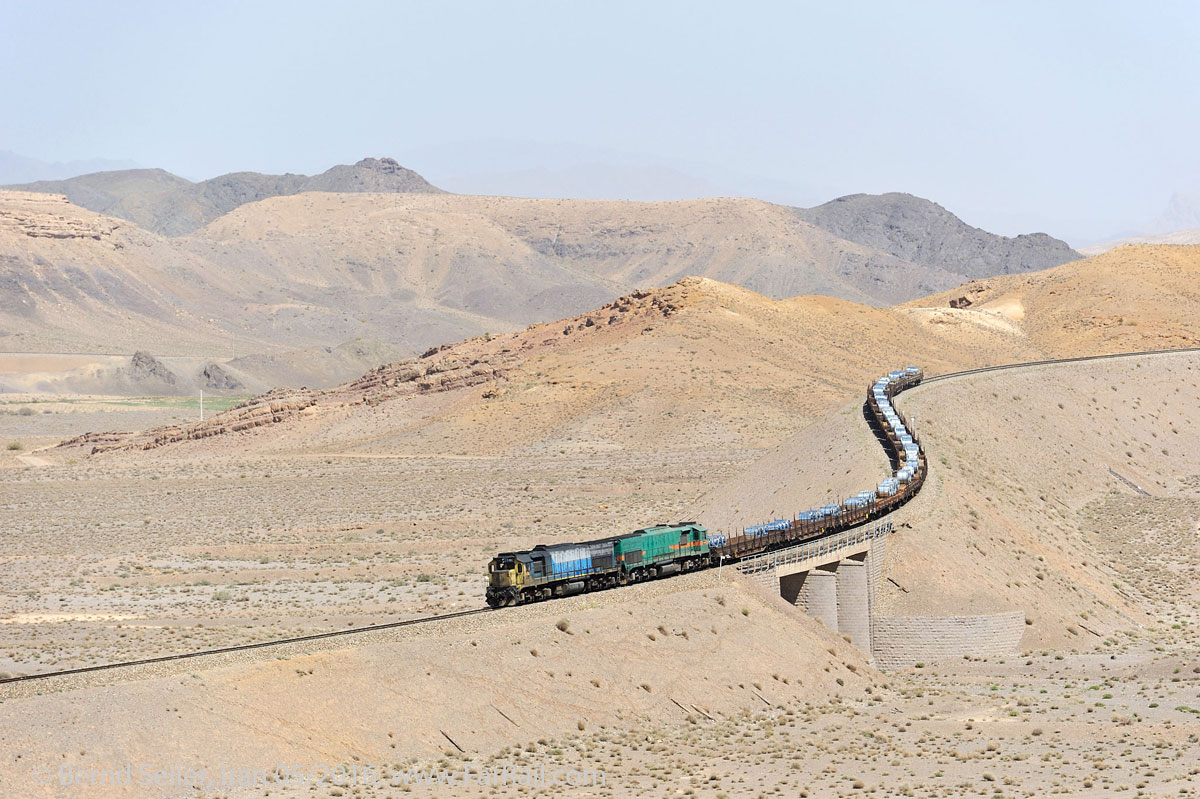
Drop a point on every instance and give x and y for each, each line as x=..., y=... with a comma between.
x=172, y=206
x=698, y=364
x=703, y=364
x=1138, y=297
x=74, y=281
x=925, y=233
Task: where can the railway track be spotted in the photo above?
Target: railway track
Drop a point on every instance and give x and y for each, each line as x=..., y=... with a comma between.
x=443, y=617
x=225, y=650
x=1053, y=361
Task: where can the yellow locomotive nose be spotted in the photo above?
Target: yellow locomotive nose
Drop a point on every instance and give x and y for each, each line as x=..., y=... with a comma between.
x=502, y=572
x=503, y=579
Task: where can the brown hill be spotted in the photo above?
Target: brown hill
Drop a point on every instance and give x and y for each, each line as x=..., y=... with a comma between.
x=75, y=281
x=697, y=365
x=79, y=282
x=1135, y=297
x=411, y=271
x=702, y=364
x=561, y=254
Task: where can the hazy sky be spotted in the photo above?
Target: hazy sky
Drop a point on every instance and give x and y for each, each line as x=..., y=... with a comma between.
x=1078, y=118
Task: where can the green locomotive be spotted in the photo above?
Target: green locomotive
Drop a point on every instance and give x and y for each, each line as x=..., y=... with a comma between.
x=563, y=569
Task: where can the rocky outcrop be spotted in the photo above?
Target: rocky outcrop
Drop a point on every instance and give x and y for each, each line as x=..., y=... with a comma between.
x=270, y=409
x=415, y=376
x=476, y=362
x=971, y=293
x=419, y=375
x=40, y=221
x=144, y=367
x=371, y=174
x=214, y=377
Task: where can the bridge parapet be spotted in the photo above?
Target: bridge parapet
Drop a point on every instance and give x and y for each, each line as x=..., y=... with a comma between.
x=770, y=566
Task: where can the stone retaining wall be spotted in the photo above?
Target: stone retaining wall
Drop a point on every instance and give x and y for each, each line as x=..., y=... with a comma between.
x=900, y=641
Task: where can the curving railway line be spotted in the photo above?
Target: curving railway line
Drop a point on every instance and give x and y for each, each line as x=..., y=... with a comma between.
x=887, y=426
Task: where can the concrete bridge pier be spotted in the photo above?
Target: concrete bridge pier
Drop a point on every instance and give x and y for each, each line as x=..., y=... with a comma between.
x=814, y=591
x=836, y=587
x=819, y=595
x=854, y=601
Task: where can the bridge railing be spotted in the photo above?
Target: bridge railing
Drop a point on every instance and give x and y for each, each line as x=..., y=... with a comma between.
x=764, y=564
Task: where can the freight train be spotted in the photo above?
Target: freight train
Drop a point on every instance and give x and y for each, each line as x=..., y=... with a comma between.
x=558, y=570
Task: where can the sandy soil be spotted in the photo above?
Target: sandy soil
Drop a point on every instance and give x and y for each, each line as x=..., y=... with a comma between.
x=385, y=508
x=762, y=706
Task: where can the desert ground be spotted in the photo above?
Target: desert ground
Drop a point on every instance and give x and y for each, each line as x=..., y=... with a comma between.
x=383, y=498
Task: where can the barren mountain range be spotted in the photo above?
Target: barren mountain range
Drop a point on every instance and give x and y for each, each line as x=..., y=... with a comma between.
x=169, y=205
x=249, y=264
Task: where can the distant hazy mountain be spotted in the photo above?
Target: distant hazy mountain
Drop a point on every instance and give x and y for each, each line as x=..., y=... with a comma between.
x=15, y=168
x=1176, y=237
x=410, y=270
x=1182, y=213
x=173, y=206
x=1179, y=223
x=922, y=232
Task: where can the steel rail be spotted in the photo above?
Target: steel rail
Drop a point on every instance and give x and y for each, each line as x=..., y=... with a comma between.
x=224, y=650
x=1052, y=362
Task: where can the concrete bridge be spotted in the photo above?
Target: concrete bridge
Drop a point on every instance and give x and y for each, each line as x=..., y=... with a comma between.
x=836, y=580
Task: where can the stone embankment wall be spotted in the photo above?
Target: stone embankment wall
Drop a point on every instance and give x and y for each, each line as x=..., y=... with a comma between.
x=901, y=641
